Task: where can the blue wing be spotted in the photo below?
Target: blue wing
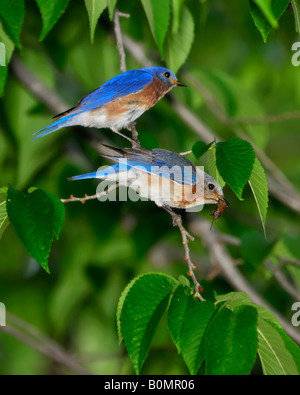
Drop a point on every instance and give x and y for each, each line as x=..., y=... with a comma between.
x=164, y=163
x=131, y=81
x=158, y=161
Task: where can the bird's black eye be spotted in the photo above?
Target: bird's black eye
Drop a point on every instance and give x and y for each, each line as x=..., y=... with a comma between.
x=211, y=186
x=167, y=74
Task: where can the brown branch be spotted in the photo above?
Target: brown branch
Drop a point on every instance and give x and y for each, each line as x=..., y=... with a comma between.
x=123, y=67
x=119, y=38
x=268, y=118
x=28, y=334
x=92, y=197
x=177, y=221
x=186, y=153
x=135, y=136
x=37, y=87
x=216, y=109
x=284, y=283
x=289, y=261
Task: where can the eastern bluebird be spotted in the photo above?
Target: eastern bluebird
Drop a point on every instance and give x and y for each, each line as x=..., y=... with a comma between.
x=118, y=102
x=165, y=177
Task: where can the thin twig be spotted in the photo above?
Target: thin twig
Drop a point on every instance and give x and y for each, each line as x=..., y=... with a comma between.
x=119, y=38
x=284, y=283
x=185, y=153
x=135, y=136
x=123, y=67
x=177, y=221
x=288, y=261
x=268, y=118
x=92, y=197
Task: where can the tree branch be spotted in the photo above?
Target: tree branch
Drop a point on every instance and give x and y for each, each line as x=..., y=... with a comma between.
x=123, y=67
x=92, y=197
x=284, y=283
x=119, y=38
x=177, y=221
x=28, y=334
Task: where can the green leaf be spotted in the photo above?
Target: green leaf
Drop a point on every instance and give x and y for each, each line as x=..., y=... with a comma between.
x=111, y=4
x=200, y=148
x=177, y=9
x=51, y=11
x=158, y=15
x=192, y=334
x=120, y=307
x=290, y=345
x=3, y=78
x=179, y=44
x=235, y=300
x=212, y=167
x=4, y=221
x=12, y=14
x=94, y=9
x=58, y=213
x=8, y=49
x=36, y=218
x=261, y=21
x=140, y=311
x=235, y=160
x=296, y=10
x=180, y=304
x=275, y=357
x=9, y=45
x=187, y=320
x=231, y=341
x=259, y=185
x=265, y=7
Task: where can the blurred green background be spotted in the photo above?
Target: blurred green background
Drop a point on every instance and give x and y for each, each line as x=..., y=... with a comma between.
x=104, y=245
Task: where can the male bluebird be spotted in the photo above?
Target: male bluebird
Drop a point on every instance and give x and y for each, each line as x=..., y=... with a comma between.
x=165, y=177
x=118, y=102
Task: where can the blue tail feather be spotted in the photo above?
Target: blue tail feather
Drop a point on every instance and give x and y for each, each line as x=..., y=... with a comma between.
x=51, y=128
x=84, y=176
x=111, y=170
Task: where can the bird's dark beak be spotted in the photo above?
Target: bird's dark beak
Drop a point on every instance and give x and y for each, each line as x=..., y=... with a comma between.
x=178, y=83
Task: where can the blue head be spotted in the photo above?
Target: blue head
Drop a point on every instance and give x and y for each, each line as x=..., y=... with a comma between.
x=165, y=75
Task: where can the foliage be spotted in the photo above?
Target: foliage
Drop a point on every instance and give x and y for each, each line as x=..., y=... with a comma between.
x=195, y=329
x=233, y=79
x=36, y=217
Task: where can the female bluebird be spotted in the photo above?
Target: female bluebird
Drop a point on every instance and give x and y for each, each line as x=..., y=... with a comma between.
x=118, y=102
x=165, y=177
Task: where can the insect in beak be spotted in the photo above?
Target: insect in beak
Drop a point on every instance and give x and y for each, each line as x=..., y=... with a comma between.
x=222, y=205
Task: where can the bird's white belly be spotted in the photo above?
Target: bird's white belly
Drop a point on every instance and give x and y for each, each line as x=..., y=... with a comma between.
x=100, y=119
x=154, y=188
